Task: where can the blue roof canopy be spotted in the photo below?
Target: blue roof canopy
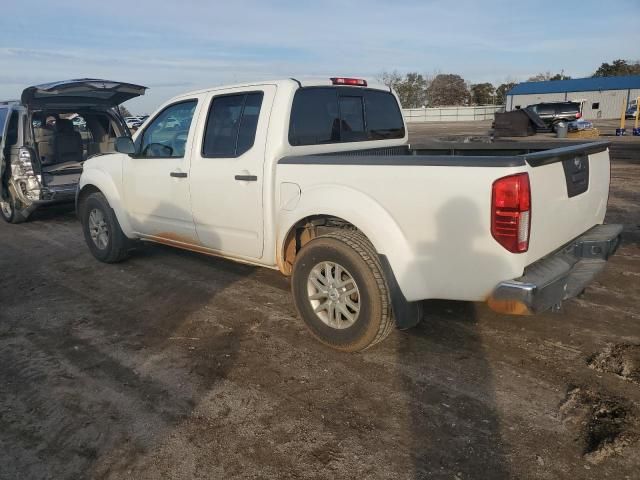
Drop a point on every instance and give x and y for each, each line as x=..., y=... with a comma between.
x=577, y=85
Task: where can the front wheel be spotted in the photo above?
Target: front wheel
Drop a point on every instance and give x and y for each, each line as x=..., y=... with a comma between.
x=340, y=292
x=102, y=231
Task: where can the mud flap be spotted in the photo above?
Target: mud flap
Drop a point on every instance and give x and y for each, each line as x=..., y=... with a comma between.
x=406, y=314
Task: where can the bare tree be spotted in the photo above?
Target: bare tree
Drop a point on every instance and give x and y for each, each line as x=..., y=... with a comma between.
x=448, y=89
x=390, y=79
x=124, y=111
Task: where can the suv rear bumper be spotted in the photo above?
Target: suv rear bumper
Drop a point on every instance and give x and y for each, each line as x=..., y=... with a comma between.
x=560, y=276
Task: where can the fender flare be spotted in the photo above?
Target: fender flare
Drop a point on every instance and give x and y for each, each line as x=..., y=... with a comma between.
x=95, y=178
x=374, y=222
x=359, y=209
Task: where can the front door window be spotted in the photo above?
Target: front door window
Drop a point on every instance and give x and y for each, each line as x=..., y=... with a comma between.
x=166, y=136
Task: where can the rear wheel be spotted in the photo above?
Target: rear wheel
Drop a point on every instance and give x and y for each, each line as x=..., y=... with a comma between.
x=9, y=211
x=340, y=292
x=102, y=231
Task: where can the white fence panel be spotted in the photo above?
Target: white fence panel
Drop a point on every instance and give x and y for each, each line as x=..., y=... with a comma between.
x=451, y=114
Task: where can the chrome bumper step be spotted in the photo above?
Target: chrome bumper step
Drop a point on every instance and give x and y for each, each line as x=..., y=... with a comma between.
x=560, y=276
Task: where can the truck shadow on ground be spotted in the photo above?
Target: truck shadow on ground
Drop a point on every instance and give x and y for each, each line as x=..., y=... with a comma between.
x=453, y=415
x=453, y=395
x=111, y=361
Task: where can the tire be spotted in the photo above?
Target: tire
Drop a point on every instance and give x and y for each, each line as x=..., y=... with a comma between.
x=352, y=258
x=102, y=231
x=9, y=213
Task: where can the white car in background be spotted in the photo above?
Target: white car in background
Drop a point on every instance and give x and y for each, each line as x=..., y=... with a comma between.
x=133, y=122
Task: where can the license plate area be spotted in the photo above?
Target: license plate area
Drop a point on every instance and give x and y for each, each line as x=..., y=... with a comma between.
x=576, y=174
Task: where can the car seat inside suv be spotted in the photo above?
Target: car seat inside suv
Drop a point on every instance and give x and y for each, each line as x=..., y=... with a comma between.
x=43, y=137
x=68, y=142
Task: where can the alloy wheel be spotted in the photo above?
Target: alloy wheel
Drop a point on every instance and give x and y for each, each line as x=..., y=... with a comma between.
x=98, y=228
x=334, y=295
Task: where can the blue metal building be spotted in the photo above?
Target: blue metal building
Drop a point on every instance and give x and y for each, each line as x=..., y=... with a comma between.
x=602, y=97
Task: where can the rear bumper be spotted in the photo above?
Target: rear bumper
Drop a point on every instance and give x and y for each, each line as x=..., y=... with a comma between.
x=48, y=195
x=560, y=276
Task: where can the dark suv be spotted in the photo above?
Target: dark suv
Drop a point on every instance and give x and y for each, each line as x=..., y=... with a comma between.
x=46, y=136
x=555, y=112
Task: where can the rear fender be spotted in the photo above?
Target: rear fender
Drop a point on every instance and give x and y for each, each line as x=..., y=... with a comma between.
x=375, y=223
x=358, y=209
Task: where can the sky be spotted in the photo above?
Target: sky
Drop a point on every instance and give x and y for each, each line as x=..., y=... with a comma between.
x=182, y=45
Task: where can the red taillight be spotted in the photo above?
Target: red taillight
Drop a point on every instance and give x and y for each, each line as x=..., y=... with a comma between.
x=511, y=212
x=349, y=81
x=578, y=115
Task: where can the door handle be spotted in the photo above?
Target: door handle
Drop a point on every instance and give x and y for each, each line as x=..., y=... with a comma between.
x=246, y=178
x=178, y=174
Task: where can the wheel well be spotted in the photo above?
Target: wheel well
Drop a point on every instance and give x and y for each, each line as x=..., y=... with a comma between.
x=84, y=193
x=303, y=232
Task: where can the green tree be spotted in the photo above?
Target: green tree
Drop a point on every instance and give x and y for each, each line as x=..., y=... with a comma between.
x=501, y=92
x=448, y=89
x=482, y=94
x=411, y=88
x=618, y=68
x=546, y=76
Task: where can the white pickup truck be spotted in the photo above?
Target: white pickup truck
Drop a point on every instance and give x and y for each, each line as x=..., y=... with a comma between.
x=316, y=179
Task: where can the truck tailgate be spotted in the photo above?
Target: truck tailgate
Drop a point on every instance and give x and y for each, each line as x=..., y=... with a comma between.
x=569, y=193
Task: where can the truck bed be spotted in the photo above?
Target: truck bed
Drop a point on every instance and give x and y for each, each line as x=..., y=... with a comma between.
x=435, y=224
x=458, y=154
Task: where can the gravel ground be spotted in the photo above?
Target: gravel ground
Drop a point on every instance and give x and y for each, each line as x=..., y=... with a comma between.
x=177, y=365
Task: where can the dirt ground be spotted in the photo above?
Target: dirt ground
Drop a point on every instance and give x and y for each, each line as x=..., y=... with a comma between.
x=180, y=366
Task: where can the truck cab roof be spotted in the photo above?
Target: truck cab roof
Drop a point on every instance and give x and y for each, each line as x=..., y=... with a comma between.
x=292, y=83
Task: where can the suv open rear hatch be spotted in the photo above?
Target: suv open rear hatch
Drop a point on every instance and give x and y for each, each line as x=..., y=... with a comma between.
x=83, y=92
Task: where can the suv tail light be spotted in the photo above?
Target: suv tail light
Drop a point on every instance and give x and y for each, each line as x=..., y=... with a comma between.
x=578, y=115
x=511, y=212
x=349, y=81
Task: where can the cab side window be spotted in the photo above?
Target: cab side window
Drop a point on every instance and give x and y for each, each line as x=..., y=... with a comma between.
x=231, y=125
x=166, y=136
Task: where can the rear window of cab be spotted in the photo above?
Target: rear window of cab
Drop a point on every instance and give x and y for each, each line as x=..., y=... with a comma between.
x=324, y=115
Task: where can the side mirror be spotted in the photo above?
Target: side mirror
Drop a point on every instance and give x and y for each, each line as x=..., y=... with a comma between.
x=125, y=145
